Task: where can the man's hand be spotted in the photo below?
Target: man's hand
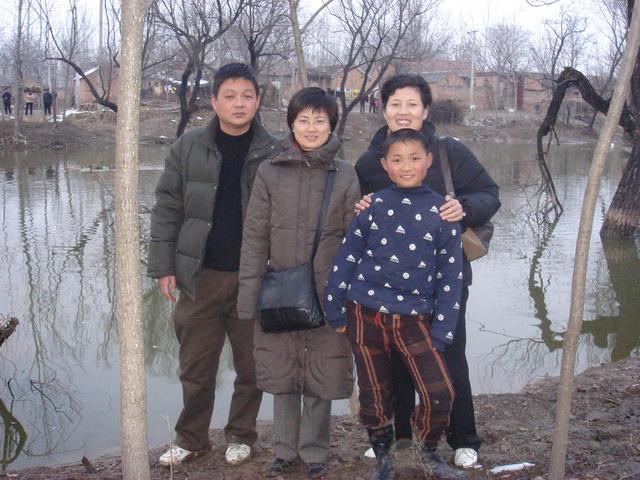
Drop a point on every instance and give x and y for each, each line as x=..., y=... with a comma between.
x=451, y=210
x=341, y=329
x=363, y=204
x=168, y=287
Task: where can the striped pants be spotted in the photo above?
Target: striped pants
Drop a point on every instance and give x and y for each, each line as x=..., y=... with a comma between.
x=372, y=335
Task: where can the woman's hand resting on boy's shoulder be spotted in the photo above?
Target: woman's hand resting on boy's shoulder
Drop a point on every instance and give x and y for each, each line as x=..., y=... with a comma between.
x=363, y=204
x=450, y=211
x=341, y=329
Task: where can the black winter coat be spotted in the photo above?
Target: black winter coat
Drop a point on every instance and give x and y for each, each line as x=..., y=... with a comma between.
x=475, y=189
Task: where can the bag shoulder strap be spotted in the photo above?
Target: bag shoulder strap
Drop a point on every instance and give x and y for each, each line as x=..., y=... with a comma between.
x=328, y=186
x=446, y=168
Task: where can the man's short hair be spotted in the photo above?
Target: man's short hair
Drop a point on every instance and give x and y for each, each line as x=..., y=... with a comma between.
x=234, y=70
x=316, y=99
x=404, y=80
x=405, y=135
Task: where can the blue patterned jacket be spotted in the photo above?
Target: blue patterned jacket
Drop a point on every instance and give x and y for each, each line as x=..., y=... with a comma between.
x=399, y=257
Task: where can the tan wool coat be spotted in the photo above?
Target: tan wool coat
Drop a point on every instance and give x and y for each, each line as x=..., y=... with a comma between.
x=280, y=225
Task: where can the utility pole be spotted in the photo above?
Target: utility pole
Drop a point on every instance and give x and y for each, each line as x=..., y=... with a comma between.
x=472, y=81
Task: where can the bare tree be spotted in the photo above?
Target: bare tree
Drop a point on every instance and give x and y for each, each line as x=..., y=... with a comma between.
x=68, y=44
x=606, y=60
x=505, y=53
x=623, y=216
x=196, y=25
x=302, y=79
x=18, y=78
x=376, y=35
x=263, y=26
x=629, y=70
x=135, y=463
x=560, y=44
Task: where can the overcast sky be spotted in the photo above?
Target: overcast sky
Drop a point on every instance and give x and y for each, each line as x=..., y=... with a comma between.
x=463, y=15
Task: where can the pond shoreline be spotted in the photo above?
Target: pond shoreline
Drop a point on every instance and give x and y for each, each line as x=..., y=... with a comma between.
x=604, y=438
x=93, y=129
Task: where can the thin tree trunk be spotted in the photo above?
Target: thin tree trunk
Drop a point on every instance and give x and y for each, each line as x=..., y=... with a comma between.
x=565, y=386
x=302, y=80
x=133, y=426
x=18, y=75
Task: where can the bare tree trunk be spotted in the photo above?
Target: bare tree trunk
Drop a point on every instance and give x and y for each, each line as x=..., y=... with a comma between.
x=565, y=387
x=623, y=217
x=133, y=426
x=302, y=79
x=18, y=74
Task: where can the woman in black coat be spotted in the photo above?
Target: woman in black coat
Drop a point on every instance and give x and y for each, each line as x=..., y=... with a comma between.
x=405, y=104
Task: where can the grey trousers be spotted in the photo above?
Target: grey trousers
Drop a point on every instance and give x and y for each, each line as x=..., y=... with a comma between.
x=304, y=433
x=201, y=327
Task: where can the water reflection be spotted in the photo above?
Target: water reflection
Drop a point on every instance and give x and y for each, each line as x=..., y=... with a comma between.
x=616, y=324
x=59, y=371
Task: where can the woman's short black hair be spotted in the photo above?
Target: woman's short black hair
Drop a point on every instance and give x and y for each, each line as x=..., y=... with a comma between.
x=404, y=80
x=316, y=99
x=234, y=70
x=405, y=135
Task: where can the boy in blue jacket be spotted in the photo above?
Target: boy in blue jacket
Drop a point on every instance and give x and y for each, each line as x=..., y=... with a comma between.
x=397, y=282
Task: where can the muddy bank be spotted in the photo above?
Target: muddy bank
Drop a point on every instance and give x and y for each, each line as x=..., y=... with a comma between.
x=604, y=438
x=158, y=123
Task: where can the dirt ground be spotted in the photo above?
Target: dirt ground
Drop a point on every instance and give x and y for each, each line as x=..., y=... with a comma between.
x=158, y=121
x=604, y=439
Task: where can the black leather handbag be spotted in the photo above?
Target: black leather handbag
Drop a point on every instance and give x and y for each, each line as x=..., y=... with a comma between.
x=288, y=300
x=475, y=240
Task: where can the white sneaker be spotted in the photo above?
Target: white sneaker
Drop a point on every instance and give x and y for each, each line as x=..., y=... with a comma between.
x=370, y=453
x=237, y=453
x=176, y=455
x=466, y=457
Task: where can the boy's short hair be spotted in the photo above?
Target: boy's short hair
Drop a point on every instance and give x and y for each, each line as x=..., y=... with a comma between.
x=404, y=80
x=316, y=99
x=405, y=135
x=234, y=70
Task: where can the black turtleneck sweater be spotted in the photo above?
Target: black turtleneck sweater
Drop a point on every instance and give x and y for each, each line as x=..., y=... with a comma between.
x=225, y=237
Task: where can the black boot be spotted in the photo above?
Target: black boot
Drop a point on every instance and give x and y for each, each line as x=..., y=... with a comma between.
x=381, y=440
x=434, y=466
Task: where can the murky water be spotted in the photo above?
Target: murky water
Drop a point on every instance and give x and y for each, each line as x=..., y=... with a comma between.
x=59, y=371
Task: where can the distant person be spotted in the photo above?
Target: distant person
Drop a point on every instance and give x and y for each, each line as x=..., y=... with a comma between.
x=47, y=101
x=29, y=98
x=372, y=103
x=6, y=99
x=399, y=275
x=362, y=100
x=406, y=99
x=196, y=235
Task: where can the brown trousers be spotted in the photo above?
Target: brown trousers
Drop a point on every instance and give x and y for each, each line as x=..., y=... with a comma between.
x=201, y=327
x=372, y=335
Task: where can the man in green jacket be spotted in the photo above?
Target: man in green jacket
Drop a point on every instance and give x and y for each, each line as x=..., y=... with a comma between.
x=196, y=234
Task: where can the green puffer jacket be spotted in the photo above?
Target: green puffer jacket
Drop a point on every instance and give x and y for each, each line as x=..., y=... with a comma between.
x=186, y=197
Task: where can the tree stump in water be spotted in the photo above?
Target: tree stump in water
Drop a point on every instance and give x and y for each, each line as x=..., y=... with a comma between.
x=7, y=329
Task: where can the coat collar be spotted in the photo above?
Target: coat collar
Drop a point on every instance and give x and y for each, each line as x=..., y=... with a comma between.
x=323, y=157
x=428, y=129
x=260, y=139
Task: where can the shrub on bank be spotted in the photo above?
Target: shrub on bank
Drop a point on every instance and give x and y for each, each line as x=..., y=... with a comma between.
x=445, y=111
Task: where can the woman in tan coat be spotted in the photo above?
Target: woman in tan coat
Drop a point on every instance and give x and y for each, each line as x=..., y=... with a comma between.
x=303, y=370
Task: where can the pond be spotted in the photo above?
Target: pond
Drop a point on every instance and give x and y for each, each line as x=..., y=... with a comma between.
x=59, y=377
